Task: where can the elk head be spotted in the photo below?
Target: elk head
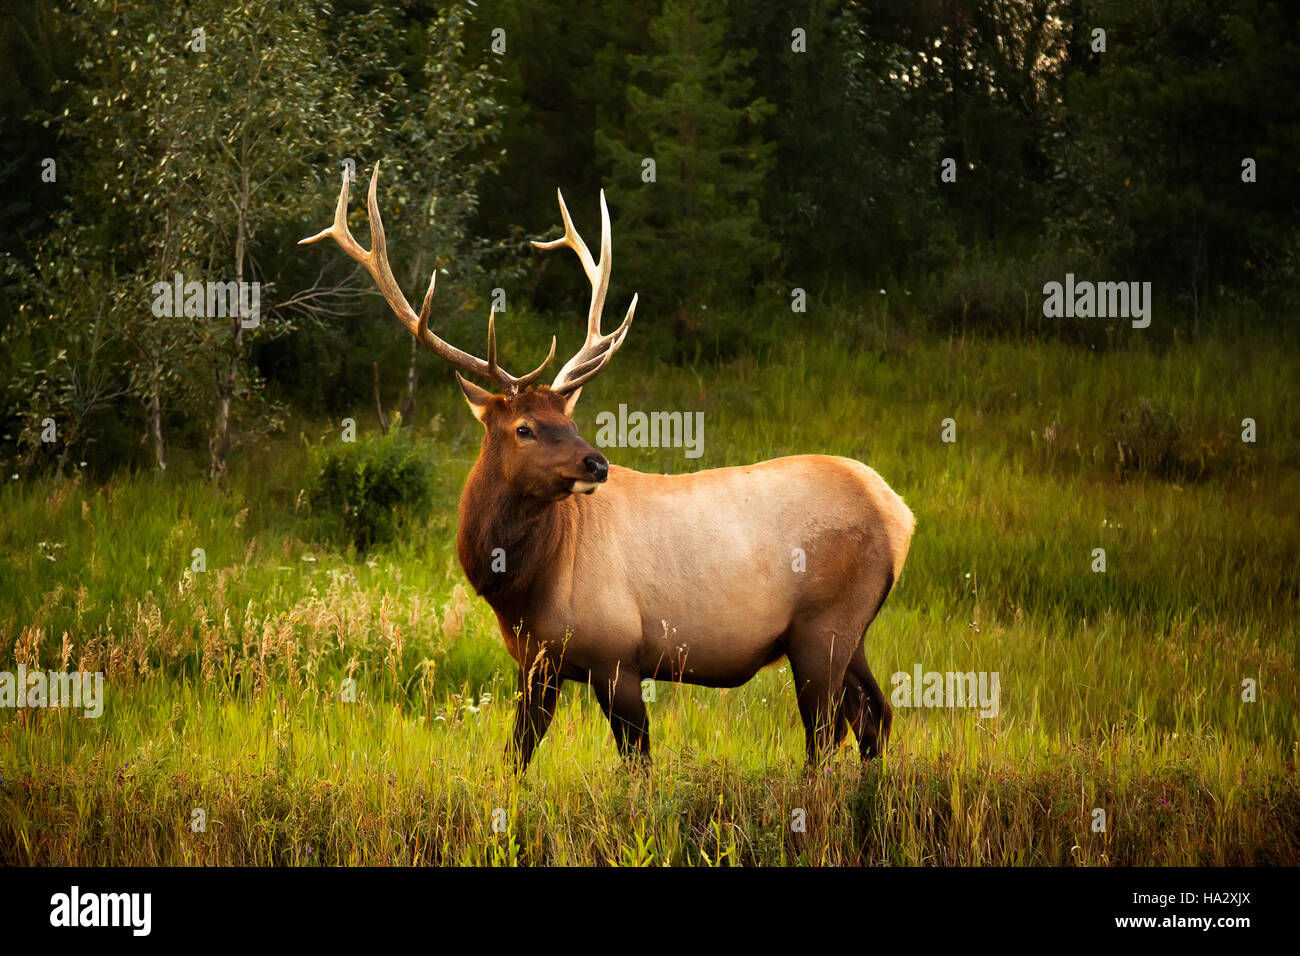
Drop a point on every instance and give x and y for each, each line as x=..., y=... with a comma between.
x=530, y=442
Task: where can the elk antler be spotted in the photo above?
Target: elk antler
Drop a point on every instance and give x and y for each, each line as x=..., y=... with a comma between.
x=598, y=349
x=376, y=263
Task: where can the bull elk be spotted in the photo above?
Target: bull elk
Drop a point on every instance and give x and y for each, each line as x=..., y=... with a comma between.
x=672, y=577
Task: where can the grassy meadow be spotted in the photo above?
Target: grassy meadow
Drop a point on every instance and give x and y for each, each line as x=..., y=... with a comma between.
x=1120, y=690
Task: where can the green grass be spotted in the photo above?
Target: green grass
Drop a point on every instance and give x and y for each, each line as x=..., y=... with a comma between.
x=1120, y=691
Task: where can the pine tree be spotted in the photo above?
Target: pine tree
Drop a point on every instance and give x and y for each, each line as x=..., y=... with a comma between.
x=696, y=230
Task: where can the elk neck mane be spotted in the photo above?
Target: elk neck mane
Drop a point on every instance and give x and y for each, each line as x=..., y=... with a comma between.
x=529, y=532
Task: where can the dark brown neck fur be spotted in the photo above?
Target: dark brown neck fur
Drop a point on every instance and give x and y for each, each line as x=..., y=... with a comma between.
x=529, y=530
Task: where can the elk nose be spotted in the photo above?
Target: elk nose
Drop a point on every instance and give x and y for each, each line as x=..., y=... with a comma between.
x=596, y=466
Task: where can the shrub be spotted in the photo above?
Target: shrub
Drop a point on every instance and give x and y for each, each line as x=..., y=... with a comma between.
x=363, y=490
x=984, y=295
x=1152, y=440
x=1149, y=440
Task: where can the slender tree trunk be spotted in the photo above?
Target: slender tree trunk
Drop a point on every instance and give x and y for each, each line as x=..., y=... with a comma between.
x=407, y=408
x=155, y=429
x=379, y=404
x=155, y=349
x=219, y=444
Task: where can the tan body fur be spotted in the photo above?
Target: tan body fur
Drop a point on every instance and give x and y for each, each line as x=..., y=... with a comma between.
x=692, y=577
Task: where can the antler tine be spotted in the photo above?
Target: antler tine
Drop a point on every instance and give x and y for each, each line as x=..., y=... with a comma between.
x=597, y=349
x=523, y=381
x=338, y=230
x=512, y=384
x=571, y=239
x=597, y=272
x=606, y=265
x=375, y=262
x=427, y=308
x=583, y=368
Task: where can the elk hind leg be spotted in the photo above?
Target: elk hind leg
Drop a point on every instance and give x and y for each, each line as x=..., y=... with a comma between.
x=819, y=657
x=865, y=707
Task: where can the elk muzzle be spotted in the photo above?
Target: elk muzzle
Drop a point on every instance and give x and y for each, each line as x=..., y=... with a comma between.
x=597, y=469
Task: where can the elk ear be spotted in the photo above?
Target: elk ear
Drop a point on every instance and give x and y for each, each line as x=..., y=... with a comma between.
x=571, y=401
x=478, y=398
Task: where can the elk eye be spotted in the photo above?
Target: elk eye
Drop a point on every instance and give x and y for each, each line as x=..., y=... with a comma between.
x=523, y=431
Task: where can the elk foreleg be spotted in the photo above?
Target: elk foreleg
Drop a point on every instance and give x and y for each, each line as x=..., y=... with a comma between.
x=539, y=691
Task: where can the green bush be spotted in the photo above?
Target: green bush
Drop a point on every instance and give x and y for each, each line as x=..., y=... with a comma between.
x=363, y=490
x=984, y=295
x=1001, y=294
x=1149, y=440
